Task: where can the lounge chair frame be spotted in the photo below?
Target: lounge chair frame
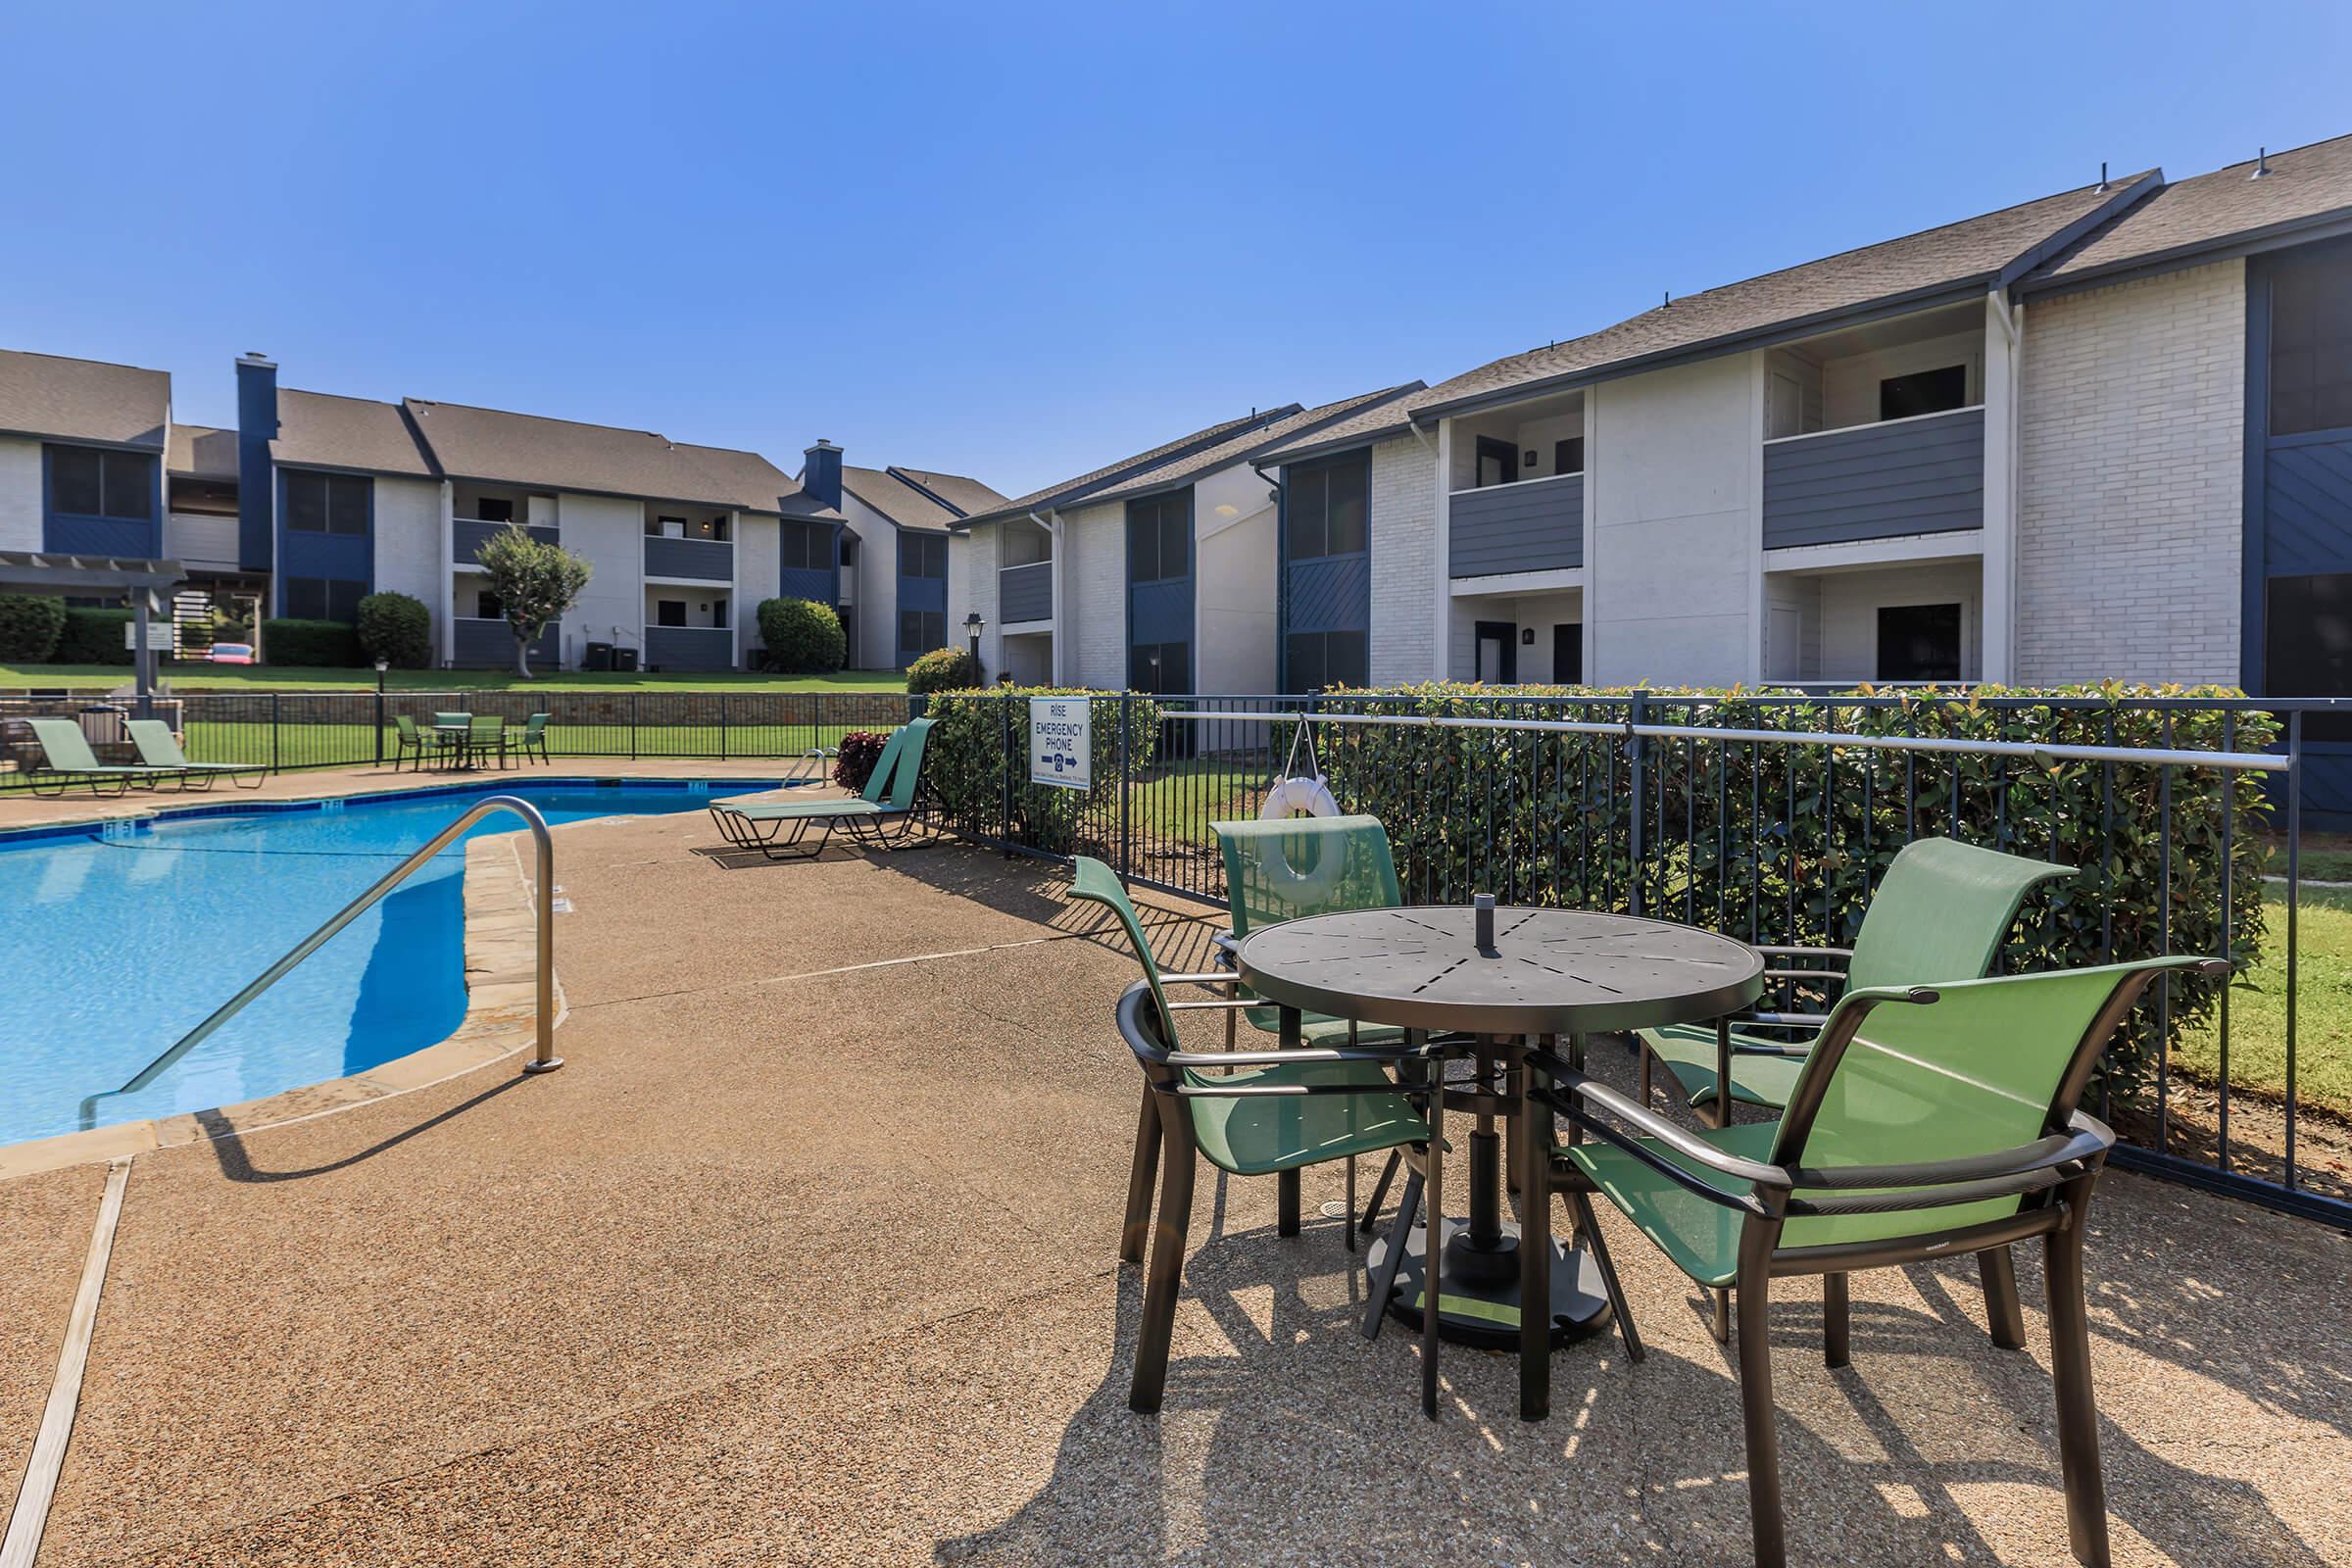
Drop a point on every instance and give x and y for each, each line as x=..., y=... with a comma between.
x=885, y=817
x=51, y=780
x=144, y=733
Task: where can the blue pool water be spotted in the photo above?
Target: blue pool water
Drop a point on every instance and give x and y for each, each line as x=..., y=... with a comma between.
x=119, y=944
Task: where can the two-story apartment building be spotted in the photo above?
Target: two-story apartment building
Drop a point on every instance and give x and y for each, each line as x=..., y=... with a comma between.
x=902, y=565
x=82, y=448
x=1160, y=573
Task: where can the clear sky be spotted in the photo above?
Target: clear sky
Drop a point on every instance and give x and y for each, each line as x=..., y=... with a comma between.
x=1020, y=241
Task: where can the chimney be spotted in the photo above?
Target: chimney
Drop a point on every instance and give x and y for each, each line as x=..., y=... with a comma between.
x=820, y=472
x=257, y=484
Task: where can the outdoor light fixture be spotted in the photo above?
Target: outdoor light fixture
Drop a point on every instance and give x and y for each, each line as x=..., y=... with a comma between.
x=971, y=629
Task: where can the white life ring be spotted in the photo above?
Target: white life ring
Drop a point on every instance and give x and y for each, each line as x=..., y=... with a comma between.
x=1293, y=797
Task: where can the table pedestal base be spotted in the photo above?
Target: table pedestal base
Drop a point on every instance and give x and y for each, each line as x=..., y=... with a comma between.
x=1478, y=1299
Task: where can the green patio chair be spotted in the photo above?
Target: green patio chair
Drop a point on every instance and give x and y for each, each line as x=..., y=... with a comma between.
x=69, y=760
x=533, y=740
x=486, y=735
x=411, y=741
x=158, y=749
x=882, y=816
x=1257, y=1113
x=1923, y=1124
x=1940, y=912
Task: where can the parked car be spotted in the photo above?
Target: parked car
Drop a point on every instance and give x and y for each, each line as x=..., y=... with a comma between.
x=231, y=654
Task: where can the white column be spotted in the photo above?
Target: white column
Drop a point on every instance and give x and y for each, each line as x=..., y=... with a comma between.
x=1441, y=550
x=448, y=569
x=1759, y=615
x=1595, y=474
x=1059, y=535
x=1998, y=639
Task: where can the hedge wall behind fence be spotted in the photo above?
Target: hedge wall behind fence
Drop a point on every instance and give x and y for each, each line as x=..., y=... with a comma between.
x=1782, y=844
x=967, y=765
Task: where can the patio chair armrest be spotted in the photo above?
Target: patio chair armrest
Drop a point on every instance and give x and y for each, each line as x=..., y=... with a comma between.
x=1802, y=952
x=1213, y=978
x=1295, y=1056
x=1935, y=1184
x=1784, y=1020
x=1804, y=974
x=1574, y=1092
x=1227, y=945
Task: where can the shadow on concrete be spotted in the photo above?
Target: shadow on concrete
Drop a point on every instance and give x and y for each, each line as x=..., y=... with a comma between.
x=230, y=1142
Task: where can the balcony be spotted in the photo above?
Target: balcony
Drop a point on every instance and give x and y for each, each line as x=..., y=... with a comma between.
x=1532, y=526
x=689, y=648
x=128, y=538
x=693, y=559
x=1025, y=593
x=205, y=539
x=477, y=641
x=467, y=535
x=1876, y=481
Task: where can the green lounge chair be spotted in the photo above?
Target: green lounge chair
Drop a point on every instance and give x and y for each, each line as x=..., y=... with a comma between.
x=1247, y=1112
x=486, y=734
x=880, y=818
x=157, y=749
x=409, y=740
x=69, y=760
x=533, y=740
x=1940, y=912
x=1923, y=1124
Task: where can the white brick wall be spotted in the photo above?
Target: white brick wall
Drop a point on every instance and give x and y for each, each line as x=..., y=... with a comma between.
x=1405, y=561
x=973, y=574
x=1093, y=590
x=2130, y=525
x=20, y=494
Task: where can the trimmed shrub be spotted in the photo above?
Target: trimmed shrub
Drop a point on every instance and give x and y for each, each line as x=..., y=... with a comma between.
x=311, y=644
x=95, y=637
x=802, y=637
x=1782, y=844
x=29, y=627
x=860, y=750
x=980, y=737
x=944, y=669
x=398, y=629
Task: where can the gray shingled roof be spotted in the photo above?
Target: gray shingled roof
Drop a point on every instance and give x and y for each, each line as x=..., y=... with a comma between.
x=201, y=452
x=324, y=430
x=960, y=491
x=1126, y=468
x=1306, y=424
x=83, y=400
x=529, y=449
x=1974, y=251
x=1373, y=422
x=897, y=500
x=2304, y=187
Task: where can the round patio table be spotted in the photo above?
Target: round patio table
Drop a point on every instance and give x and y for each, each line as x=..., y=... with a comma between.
x=1538, y=974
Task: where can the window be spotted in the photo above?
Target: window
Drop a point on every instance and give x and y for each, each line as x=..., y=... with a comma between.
x=1159, y=537
x=1026, y=543
x=87, y=482
x=1161, y=667
x=490, y=509
x=2310, y=342
x=1901, y=397
x=325, y=598
x=923, y=555
x=487, y=607
x=1328, y=508
x=1317, y=660
x=921, y=630
x=1919, y=641
x=670, y=611
x=1568, y=457
x=328, y=503
x=807, y=547
x=1497, y=462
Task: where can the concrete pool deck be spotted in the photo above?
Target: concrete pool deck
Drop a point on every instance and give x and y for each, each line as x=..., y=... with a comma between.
x=807, y=1256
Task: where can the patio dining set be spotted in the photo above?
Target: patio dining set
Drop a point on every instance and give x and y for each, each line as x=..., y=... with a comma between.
x=467, y=740
x=1926, y=1109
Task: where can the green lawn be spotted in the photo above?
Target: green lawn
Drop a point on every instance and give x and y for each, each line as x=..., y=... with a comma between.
x=2258, y=1008
x=192, y=677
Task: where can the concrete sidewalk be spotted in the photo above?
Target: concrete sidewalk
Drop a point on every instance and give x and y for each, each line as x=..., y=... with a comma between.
x=807, y=1256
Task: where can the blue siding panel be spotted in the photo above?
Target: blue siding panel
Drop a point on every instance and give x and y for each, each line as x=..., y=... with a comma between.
x=1538, y=525
x=1025, y=593
x=1330, y=593
x=1876, y=481
x=467, y=535
x=100, y=536
x=1161, y=612
x=2307, y=503
x=802, y=582
x=339, y=556
x=698, y=559
x=489, y=643
x=699, y=649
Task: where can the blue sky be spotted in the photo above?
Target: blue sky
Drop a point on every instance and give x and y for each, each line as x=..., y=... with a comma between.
x=1020, y=242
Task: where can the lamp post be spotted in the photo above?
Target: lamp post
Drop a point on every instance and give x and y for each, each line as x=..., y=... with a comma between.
x=382, y=666
x=971, y=630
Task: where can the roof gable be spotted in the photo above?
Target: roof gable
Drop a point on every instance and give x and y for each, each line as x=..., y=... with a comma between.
x=83, y=400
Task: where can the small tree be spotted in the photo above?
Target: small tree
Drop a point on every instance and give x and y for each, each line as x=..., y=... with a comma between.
x=802, y=637
x=398, y=629
x=534, y=583
x=944, y=669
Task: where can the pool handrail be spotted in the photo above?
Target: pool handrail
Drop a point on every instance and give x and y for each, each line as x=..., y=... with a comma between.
x=543, y=1057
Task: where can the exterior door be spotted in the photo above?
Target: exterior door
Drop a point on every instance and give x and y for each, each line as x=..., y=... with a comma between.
x=1568, y=654
x=1497, y=462
x=1497, y=652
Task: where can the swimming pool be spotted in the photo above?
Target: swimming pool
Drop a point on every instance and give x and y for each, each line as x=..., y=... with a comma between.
x=122, y=939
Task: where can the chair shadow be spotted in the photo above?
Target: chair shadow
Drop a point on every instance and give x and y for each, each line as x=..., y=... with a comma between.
x=229, y=1141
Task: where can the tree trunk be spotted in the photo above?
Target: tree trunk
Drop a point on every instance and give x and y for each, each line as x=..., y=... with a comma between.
x=522, y=656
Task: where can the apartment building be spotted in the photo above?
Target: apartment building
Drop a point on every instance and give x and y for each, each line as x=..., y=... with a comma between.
x=1160, y=573
x=901, y=563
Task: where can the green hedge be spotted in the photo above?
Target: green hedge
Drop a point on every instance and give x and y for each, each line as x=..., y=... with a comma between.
x=944, y=669
x=95, y=637
x=966, y=762
x=396, y=628
x=801, y=637
x=311, y=644
x=1782, y=844
x=29, y=627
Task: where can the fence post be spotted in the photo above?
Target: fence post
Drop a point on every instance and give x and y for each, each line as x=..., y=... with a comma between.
x=1126, y=709
x=1634, y=747
x=1005, y=823
x=274, y=732
x=379, y=723
x=632, y=726
x=723, y=726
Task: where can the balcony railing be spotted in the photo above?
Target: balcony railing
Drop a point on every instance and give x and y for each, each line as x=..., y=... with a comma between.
x=1025, y=593
x=690, y=647
x=695, y=560
x=1876, y=481
x=467, y=535
x=201, y=538
x=476, y=641
x=131, y=538
x=1533, y=525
